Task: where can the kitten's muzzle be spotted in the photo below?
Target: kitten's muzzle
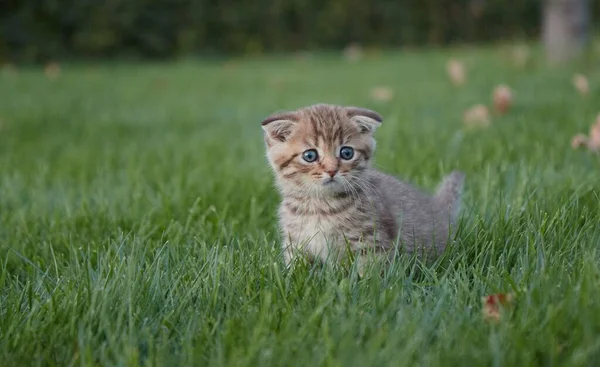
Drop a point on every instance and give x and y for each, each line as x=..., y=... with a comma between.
x=328, y=181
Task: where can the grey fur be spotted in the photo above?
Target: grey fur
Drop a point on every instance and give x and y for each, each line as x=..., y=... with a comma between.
x=368, y=209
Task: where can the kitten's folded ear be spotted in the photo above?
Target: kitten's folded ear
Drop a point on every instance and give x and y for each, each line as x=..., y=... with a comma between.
x=279, y=126
x=366, y=120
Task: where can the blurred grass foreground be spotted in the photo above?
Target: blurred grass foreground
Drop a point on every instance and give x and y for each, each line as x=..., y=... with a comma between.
x=138, y=216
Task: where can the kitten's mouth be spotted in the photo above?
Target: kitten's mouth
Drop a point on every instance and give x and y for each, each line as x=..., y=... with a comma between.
x=329, y=181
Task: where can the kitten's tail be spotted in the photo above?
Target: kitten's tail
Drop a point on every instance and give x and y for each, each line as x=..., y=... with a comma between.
x=450, y=191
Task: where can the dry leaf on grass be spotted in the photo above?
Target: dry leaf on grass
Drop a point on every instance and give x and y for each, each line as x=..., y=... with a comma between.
x=353, y=52
x=52, y=70
x=502, y=98
x=594, y=138
x=494, y=304
x=591, y=142
x=578, y=141
x=382, y=94
x=456, y=72
x=580, y=83
x=477, y=116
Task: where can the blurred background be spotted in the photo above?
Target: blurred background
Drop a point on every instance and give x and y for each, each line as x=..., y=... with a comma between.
x=43, y=30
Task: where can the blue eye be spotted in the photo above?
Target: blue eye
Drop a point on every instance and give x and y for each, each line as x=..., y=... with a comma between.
x=310, y=155
x=346, y=153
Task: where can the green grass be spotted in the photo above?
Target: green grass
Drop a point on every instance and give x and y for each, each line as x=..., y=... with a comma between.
x=138, y=224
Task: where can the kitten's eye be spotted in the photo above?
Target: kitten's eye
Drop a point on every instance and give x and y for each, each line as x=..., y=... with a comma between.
x=310, y=155
x=347, y=153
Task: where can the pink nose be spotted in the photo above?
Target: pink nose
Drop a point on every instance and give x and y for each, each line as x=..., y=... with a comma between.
x=331, y=173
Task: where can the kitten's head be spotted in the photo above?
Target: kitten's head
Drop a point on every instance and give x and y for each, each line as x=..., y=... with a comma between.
x=320, y=149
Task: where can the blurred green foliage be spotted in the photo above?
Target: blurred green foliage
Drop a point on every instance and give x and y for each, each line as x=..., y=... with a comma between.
x=37, y=30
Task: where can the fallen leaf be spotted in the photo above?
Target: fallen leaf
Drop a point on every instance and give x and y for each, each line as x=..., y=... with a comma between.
x=353, y=52
x=52, y=70
x=382, y=94
x=502, y=98
x=578, y=141
x=580, y=83
x=456, y=72
x=594, y=139
x=493, y=305
x=477, y=116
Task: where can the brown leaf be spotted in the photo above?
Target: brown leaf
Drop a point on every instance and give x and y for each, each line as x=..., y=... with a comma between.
x=493, y=305
x=594, y=139
x=353, y=52
x=581, y=84
x=382, y=94
x=456, y=72
x=502, y=98
x=578, y=141
x=477, y=116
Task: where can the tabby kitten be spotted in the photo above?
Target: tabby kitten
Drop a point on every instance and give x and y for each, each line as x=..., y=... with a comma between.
x=333, y=201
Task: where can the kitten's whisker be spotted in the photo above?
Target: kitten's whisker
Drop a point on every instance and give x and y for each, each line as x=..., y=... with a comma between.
x=353, y=192
x=369, y=188
x=369, y=185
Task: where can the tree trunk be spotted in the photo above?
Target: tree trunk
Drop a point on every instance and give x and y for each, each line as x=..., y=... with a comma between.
x=565, y=28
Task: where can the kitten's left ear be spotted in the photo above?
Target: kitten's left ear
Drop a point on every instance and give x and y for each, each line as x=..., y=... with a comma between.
x=366, y=120
x=279, y=126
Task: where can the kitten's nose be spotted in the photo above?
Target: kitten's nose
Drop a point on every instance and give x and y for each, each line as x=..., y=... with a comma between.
x=331, y=173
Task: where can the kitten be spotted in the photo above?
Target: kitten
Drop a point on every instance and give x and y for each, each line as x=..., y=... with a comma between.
x=332, y=200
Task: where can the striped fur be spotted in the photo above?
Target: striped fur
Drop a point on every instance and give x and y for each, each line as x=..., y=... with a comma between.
x=358, y=208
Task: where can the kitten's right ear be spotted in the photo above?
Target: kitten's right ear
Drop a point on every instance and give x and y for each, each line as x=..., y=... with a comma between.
x=279, y=126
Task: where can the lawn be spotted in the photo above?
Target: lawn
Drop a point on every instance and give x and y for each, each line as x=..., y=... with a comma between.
x=138, y=217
